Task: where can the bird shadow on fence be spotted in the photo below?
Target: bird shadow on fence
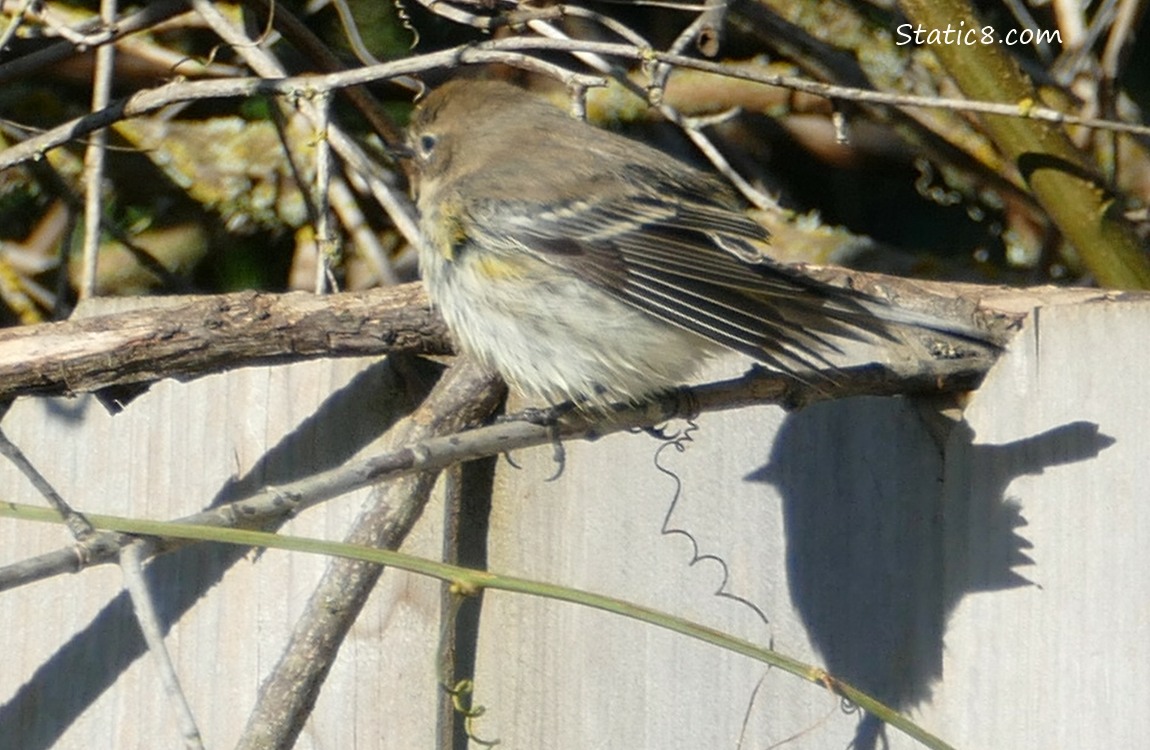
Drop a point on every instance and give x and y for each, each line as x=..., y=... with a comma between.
x=881, y=549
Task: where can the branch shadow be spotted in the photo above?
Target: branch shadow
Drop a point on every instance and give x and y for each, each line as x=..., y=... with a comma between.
x=881, y=551
x=79, y=672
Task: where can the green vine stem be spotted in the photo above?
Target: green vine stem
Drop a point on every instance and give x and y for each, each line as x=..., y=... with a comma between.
x=466, y=581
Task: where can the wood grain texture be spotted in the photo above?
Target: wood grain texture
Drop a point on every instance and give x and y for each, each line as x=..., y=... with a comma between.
x=76, y=675
x=988, y=576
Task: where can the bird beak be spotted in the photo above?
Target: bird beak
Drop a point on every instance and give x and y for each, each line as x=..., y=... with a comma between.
x=399, y=152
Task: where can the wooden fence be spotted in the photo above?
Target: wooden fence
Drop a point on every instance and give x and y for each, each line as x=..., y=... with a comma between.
x=987, y=575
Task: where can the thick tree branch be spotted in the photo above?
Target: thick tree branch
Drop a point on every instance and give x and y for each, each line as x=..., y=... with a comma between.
x=198, y=336
x=208, y=334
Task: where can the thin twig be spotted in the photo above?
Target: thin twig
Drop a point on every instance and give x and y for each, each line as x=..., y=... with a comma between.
x=706, y=146
x=1080, y=39
x=286, y=696
x=325, y=240
x=131, y=565
x=447, y=651
x=1120, y=40
x=316, y=112
x=75, y=522
x=102, y=76
x=397, y=206
x=510, y=51
x=754, y=196
x=351, y=33
x=366, y=242
x=14, y=24
x=709, y=20
x=148, y=16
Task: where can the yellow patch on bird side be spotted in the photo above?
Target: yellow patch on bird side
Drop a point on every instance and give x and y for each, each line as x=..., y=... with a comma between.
x=498, y=269
x=448, y=233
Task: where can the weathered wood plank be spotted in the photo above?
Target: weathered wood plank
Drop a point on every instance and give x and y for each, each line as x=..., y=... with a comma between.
x=894, y=559
x=74, y=673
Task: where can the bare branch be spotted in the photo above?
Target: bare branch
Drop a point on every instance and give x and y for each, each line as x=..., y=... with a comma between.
x=189, y=337
x=148, y=16
x=510, y=51
x=94, y=156
x=287, y=696
x=132, y=558
x=77, y=524
x=202, y=335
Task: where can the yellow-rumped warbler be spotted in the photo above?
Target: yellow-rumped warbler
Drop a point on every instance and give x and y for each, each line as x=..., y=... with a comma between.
x=585, y=266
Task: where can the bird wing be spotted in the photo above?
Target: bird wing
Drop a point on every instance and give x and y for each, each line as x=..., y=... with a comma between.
x=686, y=263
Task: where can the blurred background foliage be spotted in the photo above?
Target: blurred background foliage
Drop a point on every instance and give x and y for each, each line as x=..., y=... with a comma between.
x=202, y=197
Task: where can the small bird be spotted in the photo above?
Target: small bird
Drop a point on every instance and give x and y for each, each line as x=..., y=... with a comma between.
x=584, y=266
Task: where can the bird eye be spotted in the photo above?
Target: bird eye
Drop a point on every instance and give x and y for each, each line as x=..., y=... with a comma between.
x=426, y=145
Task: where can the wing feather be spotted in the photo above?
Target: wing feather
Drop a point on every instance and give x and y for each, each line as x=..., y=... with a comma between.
x=673, y=260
